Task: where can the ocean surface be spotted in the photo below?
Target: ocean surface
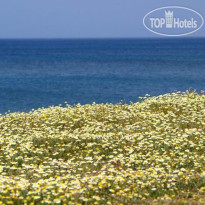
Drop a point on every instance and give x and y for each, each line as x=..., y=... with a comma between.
x=40, y=73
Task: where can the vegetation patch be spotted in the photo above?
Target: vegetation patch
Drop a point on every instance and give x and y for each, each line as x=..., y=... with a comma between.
x=149, y=152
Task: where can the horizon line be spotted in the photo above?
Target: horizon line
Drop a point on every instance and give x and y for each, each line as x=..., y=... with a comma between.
x=100, y=38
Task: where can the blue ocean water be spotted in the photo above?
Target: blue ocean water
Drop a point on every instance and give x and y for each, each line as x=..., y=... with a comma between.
x=40, y=73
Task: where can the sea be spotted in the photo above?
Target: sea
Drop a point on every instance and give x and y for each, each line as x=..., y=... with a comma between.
x=37, y=73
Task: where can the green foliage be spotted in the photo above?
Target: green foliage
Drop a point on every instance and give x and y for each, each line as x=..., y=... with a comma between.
x=149, y=152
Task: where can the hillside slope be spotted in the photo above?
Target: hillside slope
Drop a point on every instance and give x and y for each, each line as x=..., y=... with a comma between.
x=147, y=152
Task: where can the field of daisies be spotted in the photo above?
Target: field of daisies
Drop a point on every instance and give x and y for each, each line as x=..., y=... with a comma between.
x=149, y=152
